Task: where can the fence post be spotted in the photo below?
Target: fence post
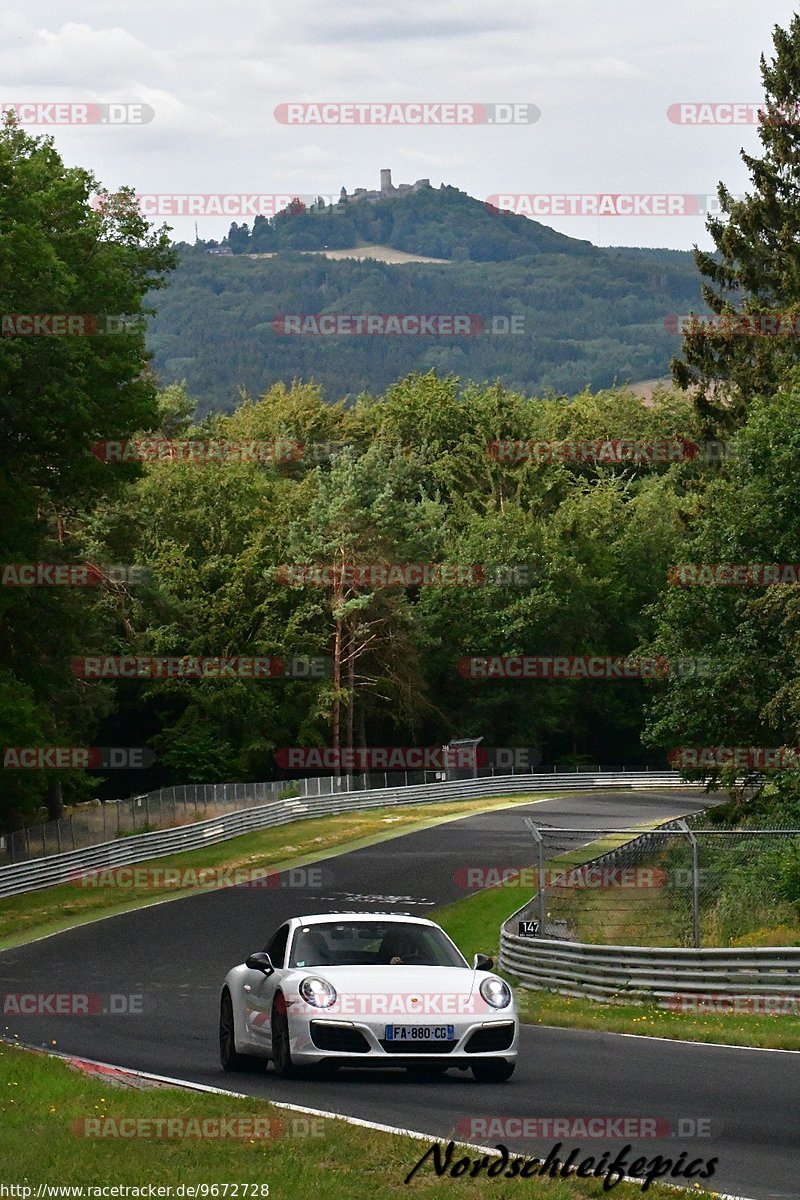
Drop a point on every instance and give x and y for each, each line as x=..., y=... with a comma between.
x=540, y=855
x=147, y=810
x=72, y=830
x=58, y=835
x=695, y=886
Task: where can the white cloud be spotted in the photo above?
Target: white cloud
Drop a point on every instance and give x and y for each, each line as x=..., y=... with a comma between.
x=603, y=77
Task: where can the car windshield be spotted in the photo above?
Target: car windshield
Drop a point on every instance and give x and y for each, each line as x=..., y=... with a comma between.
x=372, y=943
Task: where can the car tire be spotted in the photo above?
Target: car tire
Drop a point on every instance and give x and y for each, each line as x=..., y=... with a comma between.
x=281, y=1052
x=229, y=1057
x=492, y=1070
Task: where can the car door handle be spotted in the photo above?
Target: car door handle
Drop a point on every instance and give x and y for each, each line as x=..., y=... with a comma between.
x=247, y=988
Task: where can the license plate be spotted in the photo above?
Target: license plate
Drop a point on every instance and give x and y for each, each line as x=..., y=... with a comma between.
x=420, y=1033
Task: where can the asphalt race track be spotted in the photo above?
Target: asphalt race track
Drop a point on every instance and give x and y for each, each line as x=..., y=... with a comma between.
x=176, y=954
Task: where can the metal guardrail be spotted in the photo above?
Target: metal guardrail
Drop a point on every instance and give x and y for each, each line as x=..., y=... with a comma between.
x=671, y=977
x=62, y=868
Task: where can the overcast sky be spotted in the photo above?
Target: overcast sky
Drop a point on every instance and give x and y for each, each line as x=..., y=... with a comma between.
x=603, y=76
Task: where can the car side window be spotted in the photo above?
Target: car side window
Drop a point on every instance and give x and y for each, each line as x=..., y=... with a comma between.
x=277, y=947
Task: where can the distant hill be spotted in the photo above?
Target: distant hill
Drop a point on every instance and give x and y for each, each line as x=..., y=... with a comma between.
x=437, y=222
x=589, y=315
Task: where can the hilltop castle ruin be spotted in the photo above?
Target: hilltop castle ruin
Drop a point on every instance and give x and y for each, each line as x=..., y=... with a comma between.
x=387, y=189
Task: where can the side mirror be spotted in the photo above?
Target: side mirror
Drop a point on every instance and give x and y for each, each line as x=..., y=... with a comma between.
x=482, y=962
x=260, y=961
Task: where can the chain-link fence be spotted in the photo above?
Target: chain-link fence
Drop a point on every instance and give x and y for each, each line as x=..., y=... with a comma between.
x=93, y=823
x=684, y=884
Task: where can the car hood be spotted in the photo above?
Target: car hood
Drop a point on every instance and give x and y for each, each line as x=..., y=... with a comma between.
x=397, y=991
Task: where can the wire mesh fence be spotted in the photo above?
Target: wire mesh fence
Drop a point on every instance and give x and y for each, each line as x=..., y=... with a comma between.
x=684, y=884
x=95, y=822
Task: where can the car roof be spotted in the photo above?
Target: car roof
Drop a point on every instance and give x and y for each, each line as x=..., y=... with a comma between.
x=344, y=917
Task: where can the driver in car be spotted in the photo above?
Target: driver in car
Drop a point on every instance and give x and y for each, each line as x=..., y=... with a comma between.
x=403, y=949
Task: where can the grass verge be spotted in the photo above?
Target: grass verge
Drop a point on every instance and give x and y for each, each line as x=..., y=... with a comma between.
x=35, y=914
x=44, y=1104
x=779, y=1032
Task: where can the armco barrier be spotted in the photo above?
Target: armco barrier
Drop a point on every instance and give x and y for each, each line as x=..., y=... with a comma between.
x=671, y=977
x=60, y=868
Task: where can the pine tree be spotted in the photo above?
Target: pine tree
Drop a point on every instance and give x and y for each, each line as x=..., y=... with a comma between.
x=752, y=280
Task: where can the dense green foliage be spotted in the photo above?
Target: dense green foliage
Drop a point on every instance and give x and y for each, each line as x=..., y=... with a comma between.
x=589, y=317
x=410, y=481
x=58, y=255
x=755, y=268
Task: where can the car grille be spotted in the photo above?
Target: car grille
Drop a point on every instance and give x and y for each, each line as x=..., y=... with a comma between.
x=418, y=1047
x=338, y=1037
x=491, y=1037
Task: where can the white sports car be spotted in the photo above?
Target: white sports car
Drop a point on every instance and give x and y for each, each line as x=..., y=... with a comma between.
x=367, y=989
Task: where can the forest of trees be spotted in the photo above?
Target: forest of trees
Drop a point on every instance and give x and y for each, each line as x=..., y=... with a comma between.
x=586, y=318
x=409, y=475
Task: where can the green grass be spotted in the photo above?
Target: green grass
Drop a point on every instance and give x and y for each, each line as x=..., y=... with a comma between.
x=474, y=925
x=779, y=1032
x=739, y=900
x=35, y=914
x=42, y=1098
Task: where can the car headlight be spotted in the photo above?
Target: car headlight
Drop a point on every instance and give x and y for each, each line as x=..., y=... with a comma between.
x=496, y=992
x=318, y=992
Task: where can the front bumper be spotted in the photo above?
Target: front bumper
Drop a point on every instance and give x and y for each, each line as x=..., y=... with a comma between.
x=363, y=1043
